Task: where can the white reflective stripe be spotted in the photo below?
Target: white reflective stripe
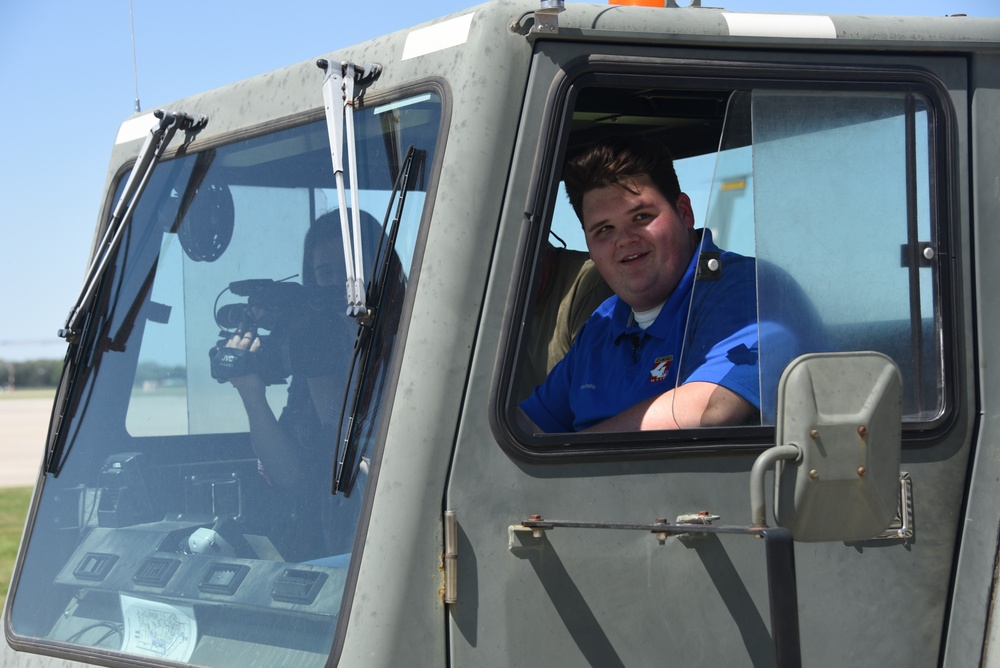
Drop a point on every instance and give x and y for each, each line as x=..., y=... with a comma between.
x=135, y=128
x=437, y=37
x=780, y=25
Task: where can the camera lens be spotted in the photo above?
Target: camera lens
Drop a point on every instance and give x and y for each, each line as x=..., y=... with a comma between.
x=233, y=316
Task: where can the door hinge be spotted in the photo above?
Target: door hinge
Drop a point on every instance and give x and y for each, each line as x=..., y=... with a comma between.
x=450, y=556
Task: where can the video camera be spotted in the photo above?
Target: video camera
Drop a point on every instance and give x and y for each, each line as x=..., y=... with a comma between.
x=300, y=320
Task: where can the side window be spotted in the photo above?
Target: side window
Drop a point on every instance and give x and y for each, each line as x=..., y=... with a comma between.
x=843, y=204
x=821, y=200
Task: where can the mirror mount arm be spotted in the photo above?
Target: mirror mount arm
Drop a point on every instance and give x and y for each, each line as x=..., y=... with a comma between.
x=758, y=509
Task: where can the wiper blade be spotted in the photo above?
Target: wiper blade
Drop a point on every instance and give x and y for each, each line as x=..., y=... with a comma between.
x=339, y=101
x=152, y=149
x=78, y=368
x=348, y=459
x=80, y=365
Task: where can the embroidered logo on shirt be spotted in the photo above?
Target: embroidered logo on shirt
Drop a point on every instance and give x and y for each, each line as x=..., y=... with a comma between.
x=660, y=368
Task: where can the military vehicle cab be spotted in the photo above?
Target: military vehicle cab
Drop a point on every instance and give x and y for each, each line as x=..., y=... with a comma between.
x=378, y=221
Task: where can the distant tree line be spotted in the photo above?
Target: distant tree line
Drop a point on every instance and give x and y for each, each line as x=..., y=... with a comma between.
x=32, y=373
x=46, y=373
x=158, y=373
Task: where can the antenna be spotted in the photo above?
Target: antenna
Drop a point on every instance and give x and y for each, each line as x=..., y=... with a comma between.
x=135, y=69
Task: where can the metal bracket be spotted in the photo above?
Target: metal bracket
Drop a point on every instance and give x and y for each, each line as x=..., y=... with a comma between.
x=547, y=16
x=709, y=266
x=701, y=518
x=514, y=529
x=901, y=529
x=925, y=254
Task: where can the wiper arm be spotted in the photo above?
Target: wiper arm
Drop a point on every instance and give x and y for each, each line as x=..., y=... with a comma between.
x=152, y=149
x=346, y=471
x=339, y=101
x=117, y=342
x=79, y=366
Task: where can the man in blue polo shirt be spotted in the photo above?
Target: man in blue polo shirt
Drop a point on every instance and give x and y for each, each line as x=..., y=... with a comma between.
x=667, y=351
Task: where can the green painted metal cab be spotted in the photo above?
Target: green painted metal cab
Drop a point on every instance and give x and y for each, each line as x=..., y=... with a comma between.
x=382, y=506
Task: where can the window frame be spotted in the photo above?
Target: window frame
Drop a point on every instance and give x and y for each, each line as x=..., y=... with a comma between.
x=631, y=72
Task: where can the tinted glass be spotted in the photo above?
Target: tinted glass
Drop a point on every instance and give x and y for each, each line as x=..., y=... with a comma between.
x=192, y=519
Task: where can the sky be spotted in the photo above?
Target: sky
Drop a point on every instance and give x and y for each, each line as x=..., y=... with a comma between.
x=67, y=82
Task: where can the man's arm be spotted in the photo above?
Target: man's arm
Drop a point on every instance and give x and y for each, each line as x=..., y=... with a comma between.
x=695, y=404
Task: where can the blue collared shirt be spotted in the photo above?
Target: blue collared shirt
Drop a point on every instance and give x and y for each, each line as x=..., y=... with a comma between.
x=614, y=364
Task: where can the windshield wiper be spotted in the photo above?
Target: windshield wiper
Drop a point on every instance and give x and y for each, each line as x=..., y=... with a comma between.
x=339, y=101
x=152, y=149
x=78, y=365
x=347, y=468
x=161, y=312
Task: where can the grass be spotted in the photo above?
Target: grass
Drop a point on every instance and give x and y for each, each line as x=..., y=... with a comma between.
x=14, y=503
x=13, y=509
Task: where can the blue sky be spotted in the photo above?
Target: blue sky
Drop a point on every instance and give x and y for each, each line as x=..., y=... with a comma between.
x=66, y=76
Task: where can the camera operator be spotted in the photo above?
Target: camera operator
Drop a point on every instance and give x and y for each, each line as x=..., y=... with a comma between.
x=295, y=450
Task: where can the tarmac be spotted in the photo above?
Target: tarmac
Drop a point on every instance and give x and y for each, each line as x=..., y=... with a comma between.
x=24, y=425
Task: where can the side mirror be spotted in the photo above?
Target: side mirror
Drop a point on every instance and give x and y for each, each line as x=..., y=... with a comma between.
x=837, y=448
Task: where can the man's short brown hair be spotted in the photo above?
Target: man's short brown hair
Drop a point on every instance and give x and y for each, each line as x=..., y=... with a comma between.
x=617, y=161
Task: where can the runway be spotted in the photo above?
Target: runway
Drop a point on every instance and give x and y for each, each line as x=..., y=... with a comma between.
x=23, y=427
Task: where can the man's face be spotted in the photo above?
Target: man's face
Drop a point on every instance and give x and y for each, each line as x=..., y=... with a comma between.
x=639, y=243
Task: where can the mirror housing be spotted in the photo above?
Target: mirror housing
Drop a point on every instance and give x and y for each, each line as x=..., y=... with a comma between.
x=837, y=447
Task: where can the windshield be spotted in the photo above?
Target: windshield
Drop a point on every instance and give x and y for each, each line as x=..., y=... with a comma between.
x=192, y=518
